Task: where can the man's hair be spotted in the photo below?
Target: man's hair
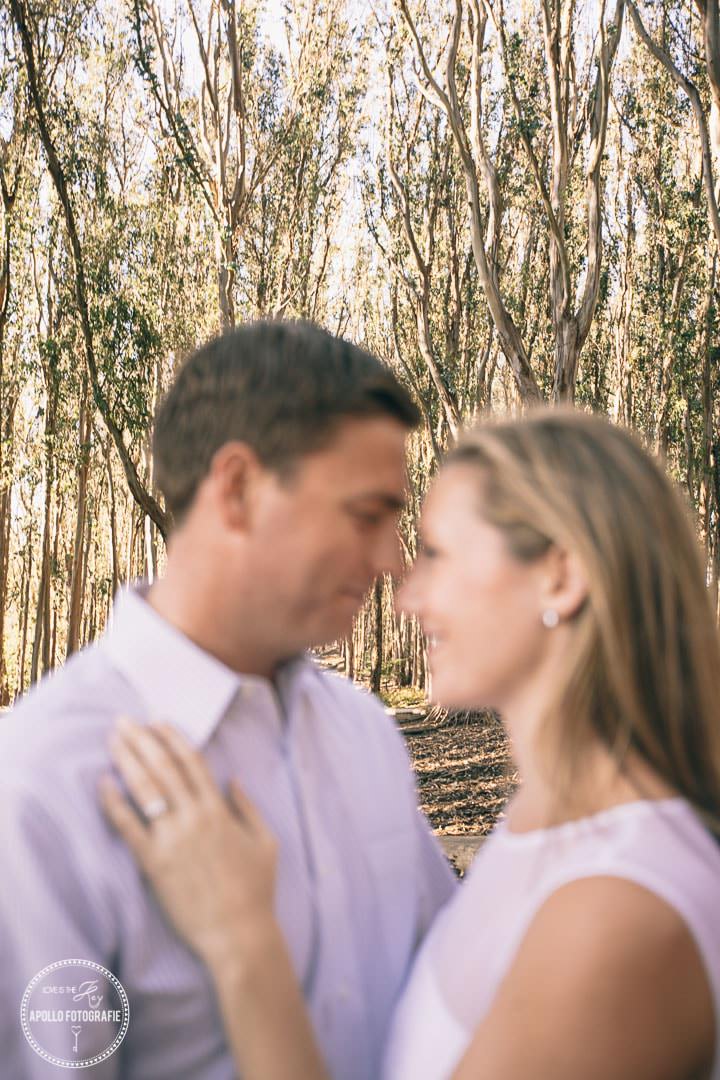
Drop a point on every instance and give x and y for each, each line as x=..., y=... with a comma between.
x=281, y=387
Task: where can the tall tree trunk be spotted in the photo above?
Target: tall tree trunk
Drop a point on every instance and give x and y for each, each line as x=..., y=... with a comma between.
x=113, y=522
x=8, y=395
x=377, y=655
x=5, y=520
x=226, y=277
x=359, y=650
x=349, y=656
x=42, y=611
x=621, y=408
x=25, y=608
x=52, y=600
x=708, y=507
x=40, y=660
x=86, y=560
x=76, y=579
x=4, y=583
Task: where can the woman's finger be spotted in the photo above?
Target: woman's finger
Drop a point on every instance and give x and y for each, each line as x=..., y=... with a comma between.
x=149, y=790
x=248, y=811
x=187, y=759
x=123, y=818
x=149, y=770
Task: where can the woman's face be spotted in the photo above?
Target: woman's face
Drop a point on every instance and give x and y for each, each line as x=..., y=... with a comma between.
x=480, y=607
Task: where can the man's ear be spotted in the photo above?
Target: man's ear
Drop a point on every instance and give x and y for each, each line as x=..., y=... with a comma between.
x=234, y=473
x=564, y=585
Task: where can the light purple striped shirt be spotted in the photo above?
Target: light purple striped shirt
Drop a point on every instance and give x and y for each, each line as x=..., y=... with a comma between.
x=360, y=876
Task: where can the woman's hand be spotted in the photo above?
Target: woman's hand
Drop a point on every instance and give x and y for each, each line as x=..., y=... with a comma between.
x=210, y=860
x=212, y=864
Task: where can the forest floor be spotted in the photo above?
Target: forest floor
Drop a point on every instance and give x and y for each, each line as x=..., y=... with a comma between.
x=463, y=770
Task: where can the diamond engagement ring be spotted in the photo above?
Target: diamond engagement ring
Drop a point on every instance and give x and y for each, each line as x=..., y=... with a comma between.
x=155, y=809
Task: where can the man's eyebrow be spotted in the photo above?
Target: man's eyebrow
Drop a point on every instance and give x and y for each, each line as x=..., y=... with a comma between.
x=391, y=502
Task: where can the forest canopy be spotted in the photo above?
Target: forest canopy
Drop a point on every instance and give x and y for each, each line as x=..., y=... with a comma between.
x=507, y=202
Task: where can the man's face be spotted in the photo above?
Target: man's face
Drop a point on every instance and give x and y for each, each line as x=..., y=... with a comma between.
x=315, y=543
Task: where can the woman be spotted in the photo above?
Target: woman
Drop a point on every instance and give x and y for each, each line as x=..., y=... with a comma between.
x=559, y=583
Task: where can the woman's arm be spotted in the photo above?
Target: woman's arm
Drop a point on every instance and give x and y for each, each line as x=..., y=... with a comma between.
x=607, y=984
x=211, y=863
x=263, y=1011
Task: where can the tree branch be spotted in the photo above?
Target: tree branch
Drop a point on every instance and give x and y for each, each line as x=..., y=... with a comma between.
x=142, y=496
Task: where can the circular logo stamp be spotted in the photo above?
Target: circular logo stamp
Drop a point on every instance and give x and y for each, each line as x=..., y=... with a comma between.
x=75, y=1013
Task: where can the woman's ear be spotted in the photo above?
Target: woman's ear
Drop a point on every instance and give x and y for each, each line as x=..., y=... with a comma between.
x=564, y=583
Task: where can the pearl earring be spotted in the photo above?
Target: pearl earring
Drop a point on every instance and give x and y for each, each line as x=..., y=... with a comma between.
x=550, y=618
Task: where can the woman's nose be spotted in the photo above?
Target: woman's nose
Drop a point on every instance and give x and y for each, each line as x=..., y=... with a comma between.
x=388, y=555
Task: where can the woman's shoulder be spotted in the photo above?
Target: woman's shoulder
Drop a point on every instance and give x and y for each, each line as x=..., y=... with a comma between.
x=611, y=919
x=620, y=978
x=626, y=952
x=642, y=832
x=659, y=845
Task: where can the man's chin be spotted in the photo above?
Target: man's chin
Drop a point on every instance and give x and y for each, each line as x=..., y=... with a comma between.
x=332, y=630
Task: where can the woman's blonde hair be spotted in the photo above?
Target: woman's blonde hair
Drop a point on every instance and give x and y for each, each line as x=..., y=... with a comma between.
x=645, y=661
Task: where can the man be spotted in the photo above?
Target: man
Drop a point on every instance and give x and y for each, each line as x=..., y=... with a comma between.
x=280, y=451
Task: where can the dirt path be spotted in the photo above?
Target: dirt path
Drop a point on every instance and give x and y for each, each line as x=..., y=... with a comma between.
x=464, y=772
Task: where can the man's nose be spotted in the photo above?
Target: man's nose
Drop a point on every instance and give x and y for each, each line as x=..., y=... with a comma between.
x=388, y=555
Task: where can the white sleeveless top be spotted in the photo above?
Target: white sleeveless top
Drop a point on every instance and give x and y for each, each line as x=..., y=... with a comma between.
x=661, y=845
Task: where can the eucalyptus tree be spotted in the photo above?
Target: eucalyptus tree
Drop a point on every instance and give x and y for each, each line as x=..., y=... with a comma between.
x=683, y=42
x=264, y=131
x=686, y=43
x=556, y=103
x=14, y=152
x=51, y=42
x=413, y=195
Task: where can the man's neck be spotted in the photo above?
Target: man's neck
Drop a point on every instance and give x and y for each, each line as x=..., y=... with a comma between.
x=193, y=610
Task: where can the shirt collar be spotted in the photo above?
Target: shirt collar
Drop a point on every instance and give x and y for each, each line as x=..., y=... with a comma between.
x=176, y=679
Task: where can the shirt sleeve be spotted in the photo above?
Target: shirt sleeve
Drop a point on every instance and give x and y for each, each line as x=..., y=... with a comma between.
x=50, y=910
